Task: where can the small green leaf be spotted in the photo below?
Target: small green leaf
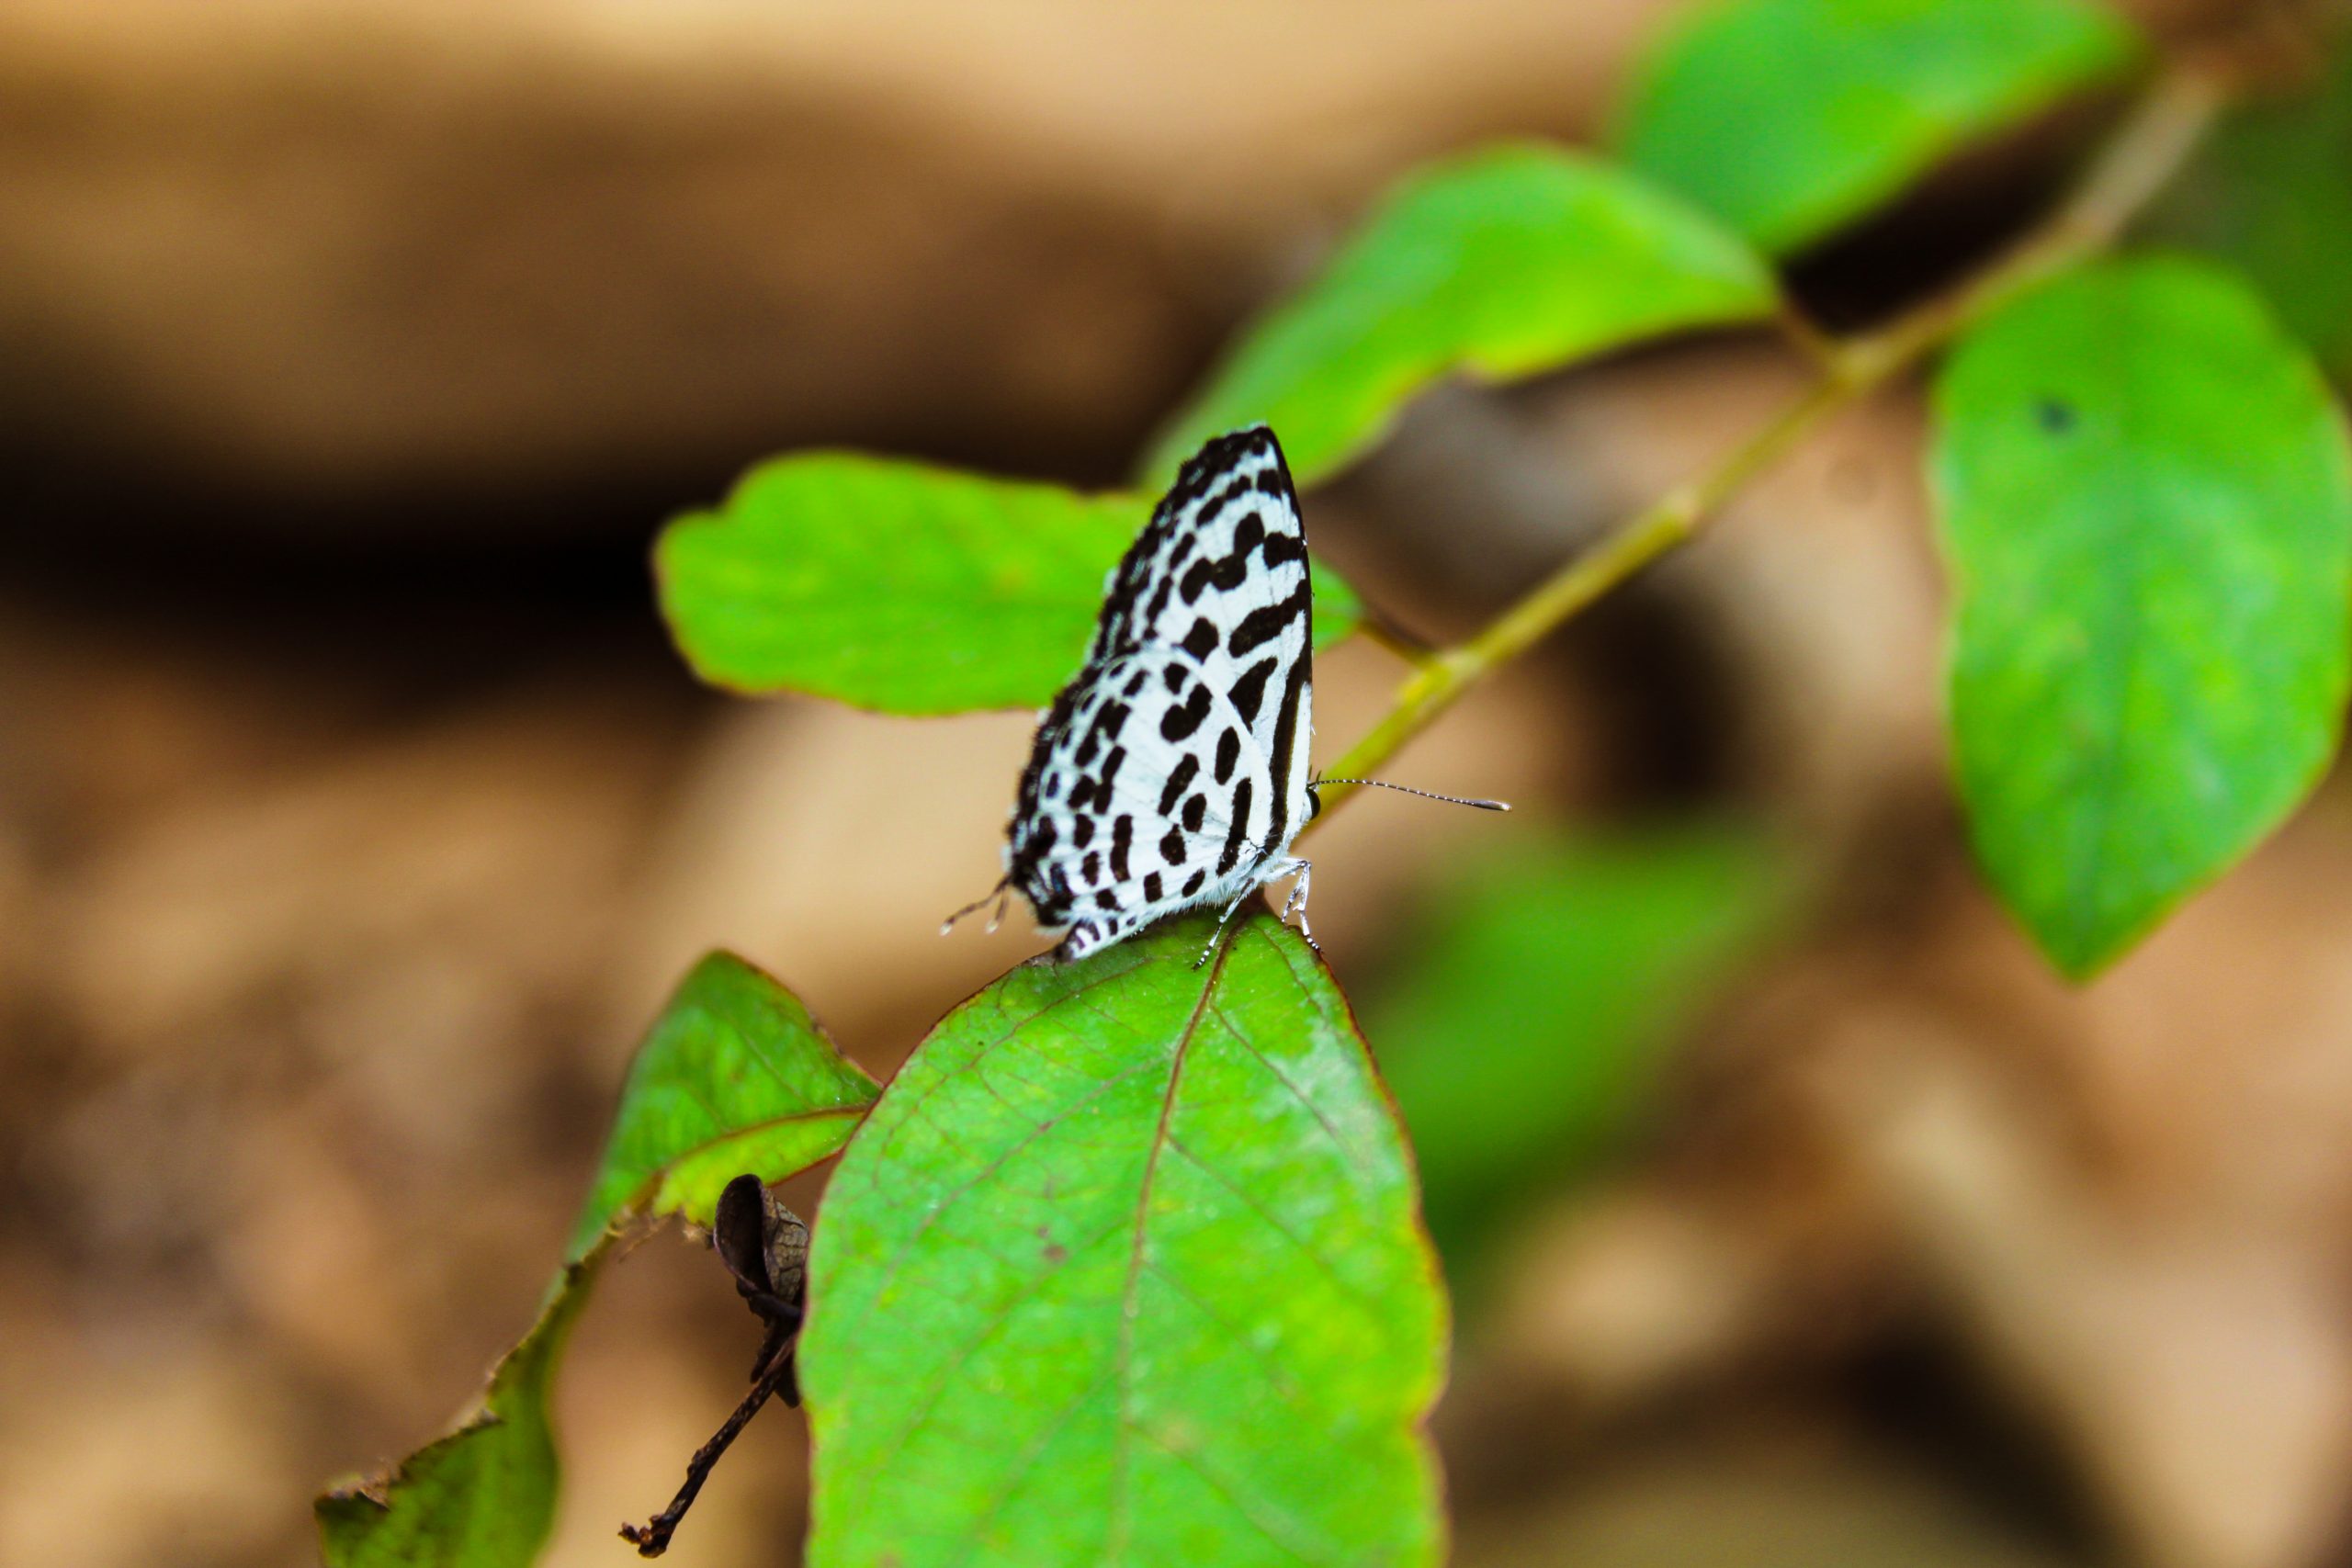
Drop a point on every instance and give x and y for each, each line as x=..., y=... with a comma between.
x=733, y=1077
x=1126, y=1267
x=1790, y=119
x=1514, y=260
x=2146, y=497
x=2271, y=192
x=484, y=1495
x=1531, y=1013
x=901, y=587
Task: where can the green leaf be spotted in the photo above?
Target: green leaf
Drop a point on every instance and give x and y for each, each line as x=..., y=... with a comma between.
x=1790, y=119
x=901, y=587
x=1511, y=261
x=1532, y=1012
x=733, y=1077
x=2146, y=498
x=1126, y=1267
x=2271, y=192
x=484, y=1495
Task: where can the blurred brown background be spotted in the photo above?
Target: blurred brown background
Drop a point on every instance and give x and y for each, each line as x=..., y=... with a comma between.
x=354, y=815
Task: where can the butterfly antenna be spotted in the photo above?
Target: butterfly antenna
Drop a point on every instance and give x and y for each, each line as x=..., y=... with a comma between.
x=996, y=896
x=1424, y=794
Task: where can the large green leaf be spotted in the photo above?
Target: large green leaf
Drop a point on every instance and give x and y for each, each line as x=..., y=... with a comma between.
x=733, y=1077
x=2271, y=191
x=2146, y=498
x=1513, y=260
x=901, y=587
x=1789, y=119
x=1530, y=1014
x=1127, y=1268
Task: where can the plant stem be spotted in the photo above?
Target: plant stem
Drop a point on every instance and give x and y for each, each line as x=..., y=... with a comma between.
x=2145, y=151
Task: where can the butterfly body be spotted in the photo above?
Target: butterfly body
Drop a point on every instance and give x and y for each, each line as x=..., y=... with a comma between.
x=1171, y=772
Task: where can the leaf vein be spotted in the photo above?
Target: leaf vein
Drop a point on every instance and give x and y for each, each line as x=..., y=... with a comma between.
x=1160, y=1139
x=1365, y=1304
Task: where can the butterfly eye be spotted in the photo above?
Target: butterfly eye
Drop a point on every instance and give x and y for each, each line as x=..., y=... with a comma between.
x=1313, y=804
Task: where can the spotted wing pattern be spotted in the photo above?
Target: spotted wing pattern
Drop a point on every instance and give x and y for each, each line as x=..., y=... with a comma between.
x=1172, y=771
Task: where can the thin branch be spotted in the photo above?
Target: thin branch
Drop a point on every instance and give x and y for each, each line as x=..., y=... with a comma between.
x=2145, y=150
x=653, y=1538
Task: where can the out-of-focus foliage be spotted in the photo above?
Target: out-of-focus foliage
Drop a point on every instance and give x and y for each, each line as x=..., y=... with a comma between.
x=1127, y=1268
x=2272, y=193
x=901, y=587
x=1527, y=1021
x=733, y=1077
x=1504, y=262
x=1791, y=119
x=2145, y=491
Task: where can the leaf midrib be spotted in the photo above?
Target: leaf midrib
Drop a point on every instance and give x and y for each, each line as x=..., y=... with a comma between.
x=1115, y=1547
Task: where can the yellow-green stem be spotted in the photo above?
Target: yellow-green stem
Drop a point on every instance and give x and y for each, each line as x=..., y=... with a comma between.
x=2145, y=151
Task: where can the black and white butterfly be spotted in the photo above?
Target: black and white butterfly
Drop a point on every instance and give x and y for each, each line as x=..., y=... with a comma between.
x=1171, y=772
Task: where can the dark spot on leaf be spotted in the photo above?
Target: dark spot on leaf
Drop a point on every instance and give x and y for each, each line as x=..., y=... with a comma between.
x=2054, y=415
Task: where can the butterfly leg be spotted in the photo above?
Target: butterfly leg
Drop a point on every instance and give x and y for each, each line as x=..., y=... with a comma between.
x=1222, y=920
x=1304, y=871
x=999, y=895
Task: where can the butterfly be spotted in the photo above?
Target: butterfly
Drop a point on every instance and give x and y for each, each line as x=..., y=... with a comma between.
x=1171, y=772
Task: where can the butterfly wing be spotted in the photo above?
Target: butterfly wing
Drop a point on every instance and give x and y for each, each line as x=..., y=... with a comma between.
x=1123, y=817
x=1172, y=770
x=1221, y=572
